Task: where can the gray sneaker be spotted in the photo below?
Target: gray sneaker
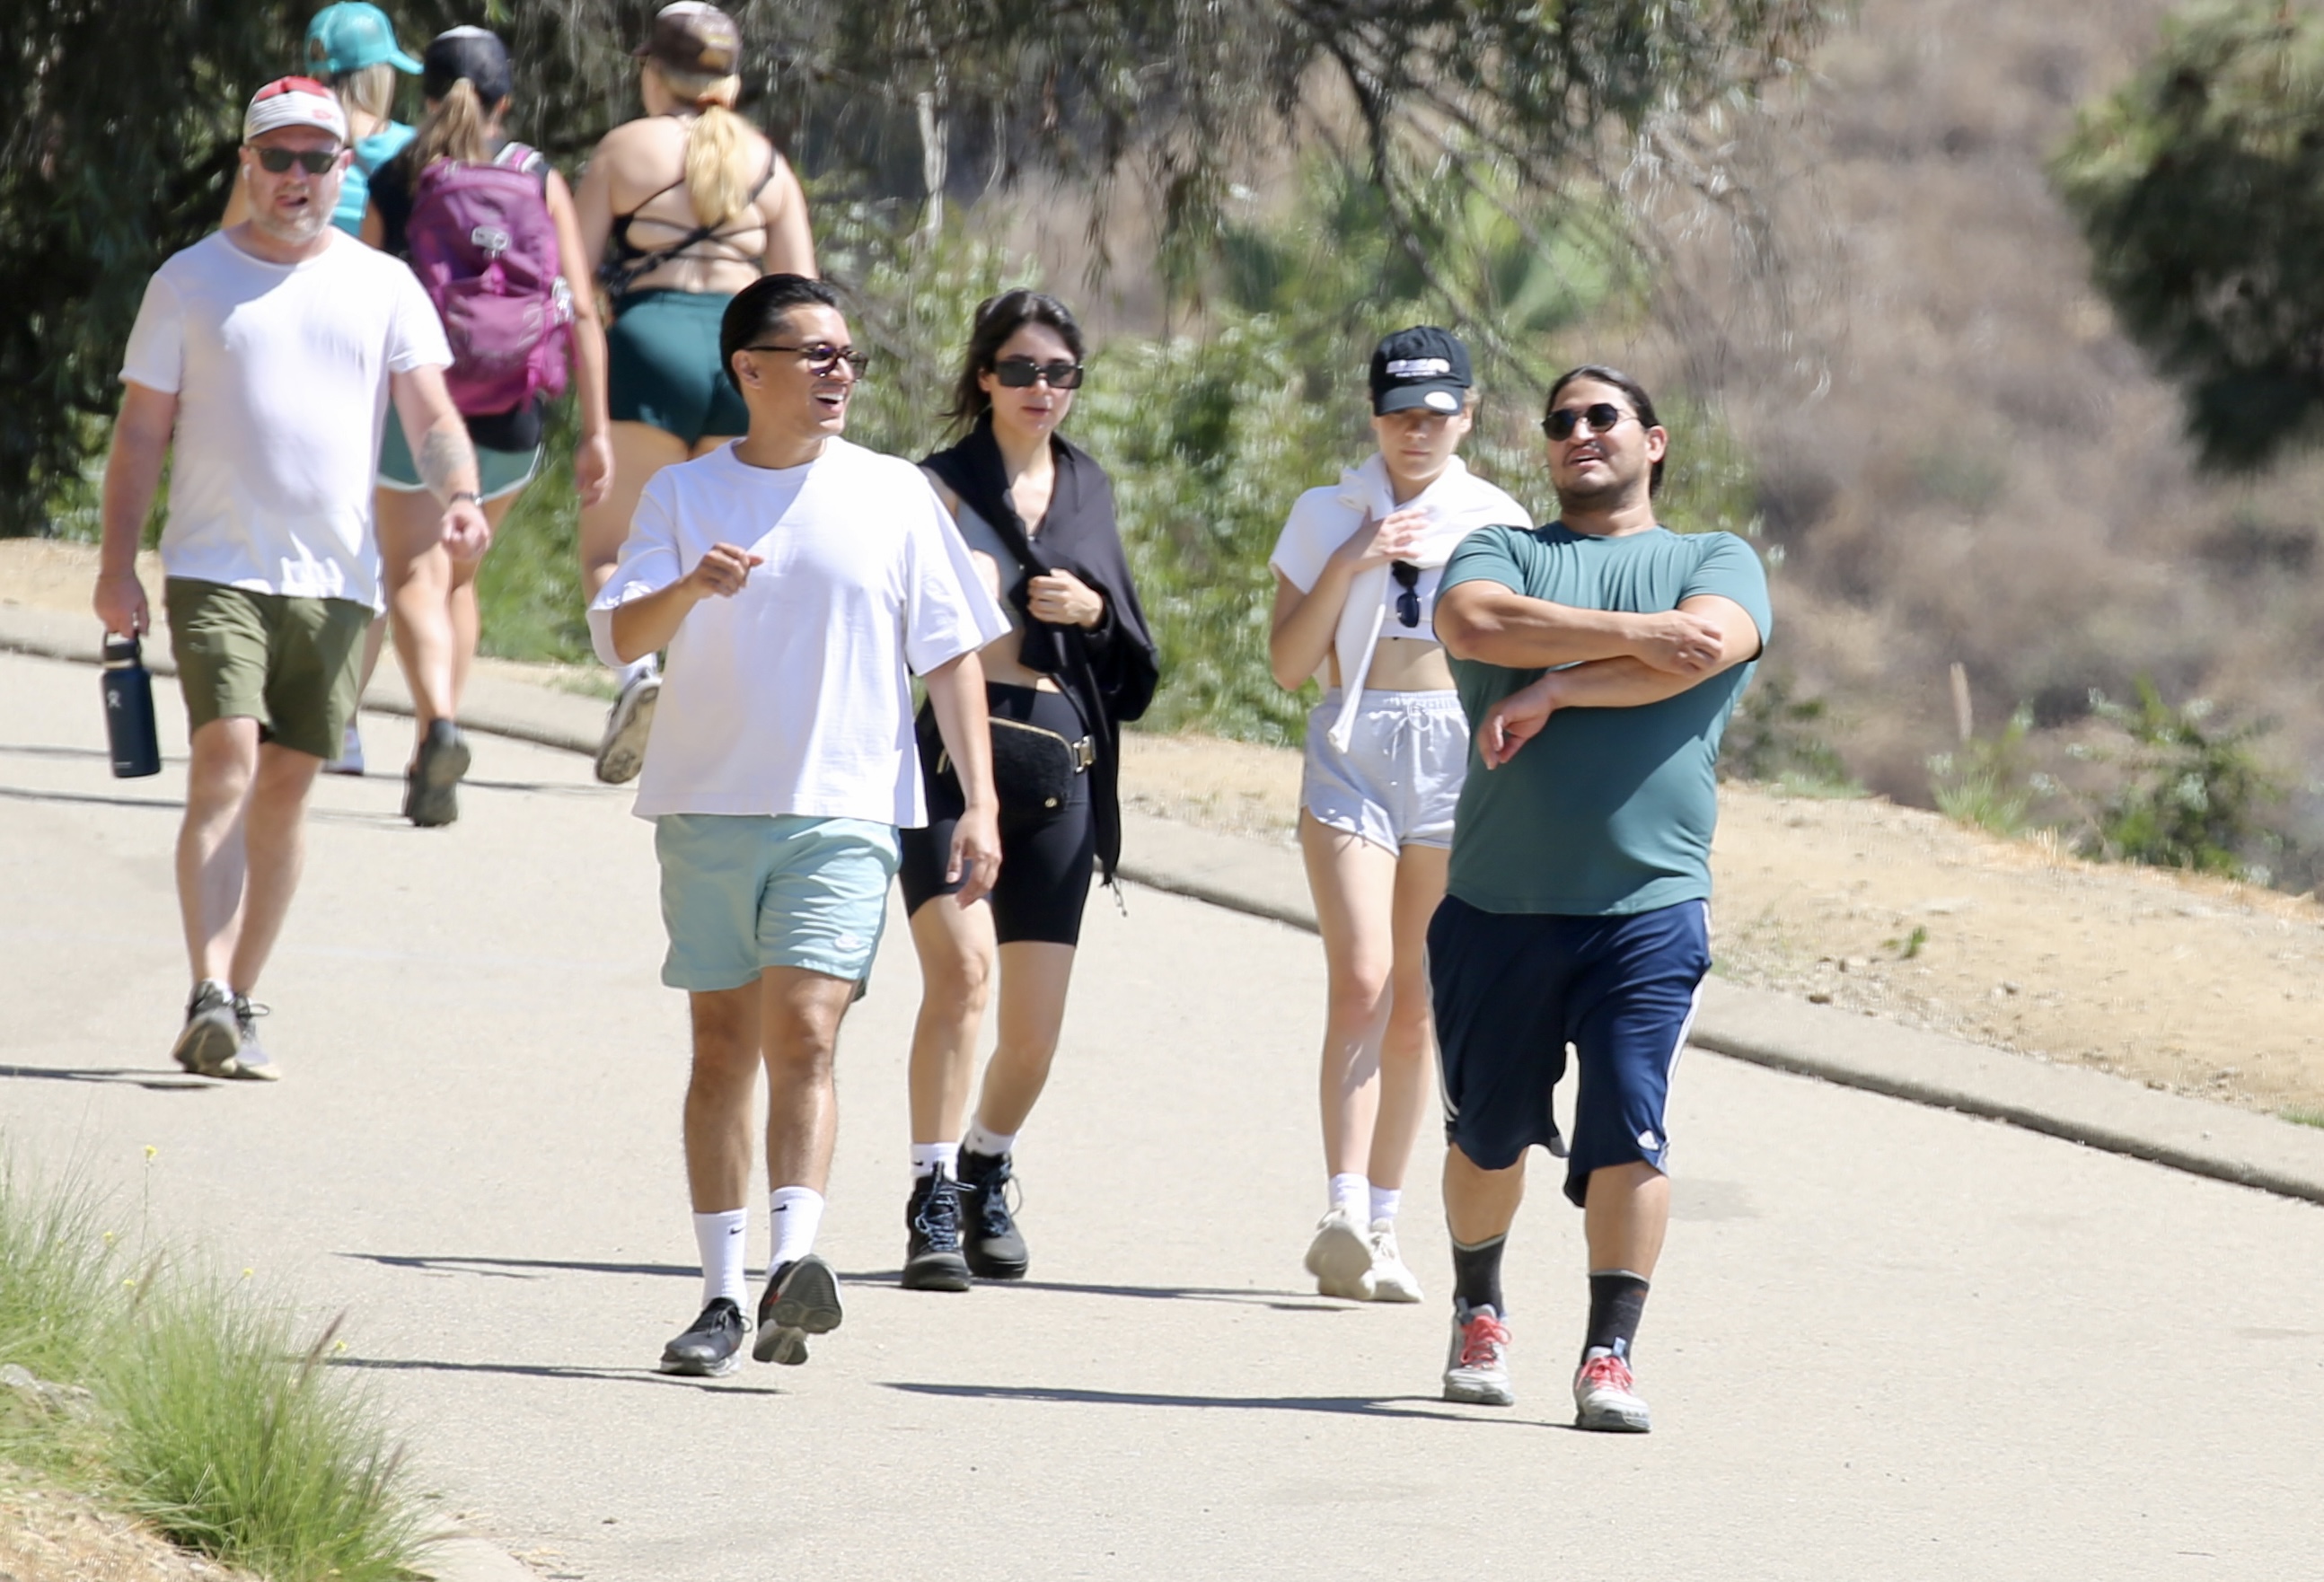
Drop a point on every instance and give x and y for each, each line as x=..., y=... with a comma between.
x=802, y=1300
x=210, y=1040
x=1477, y=1371
x=431, y=794
x=622, y=753
x=250, y=1062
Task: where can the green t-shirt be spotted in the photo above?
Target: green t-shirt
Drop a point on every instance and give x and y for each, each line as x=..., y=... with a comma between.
x=1606, y=812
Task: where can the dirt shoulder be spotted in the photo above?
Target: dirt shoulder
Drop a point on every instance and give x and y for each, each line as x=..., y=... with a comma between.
x=2193, y=985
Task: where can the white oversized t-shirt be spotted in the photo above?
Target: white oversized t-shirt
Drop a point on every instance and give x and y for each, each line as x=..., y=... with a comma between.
x=793, y=696
x=280, y=373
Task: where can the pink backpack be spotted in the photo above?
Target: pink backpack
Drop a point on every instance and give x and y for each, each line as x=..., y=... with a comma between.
x=482, y=243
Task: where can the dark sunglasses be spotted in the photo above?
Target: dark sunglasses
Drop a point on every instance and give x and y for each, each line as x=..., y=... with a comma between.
x=1023, y=373
x=276, y=161
x=1407, y=601
x=823, y=358
x=1602, y=416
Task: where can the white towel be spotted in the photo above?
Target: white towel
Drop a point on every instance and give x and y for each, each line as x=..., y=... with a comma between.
x=1458, y=503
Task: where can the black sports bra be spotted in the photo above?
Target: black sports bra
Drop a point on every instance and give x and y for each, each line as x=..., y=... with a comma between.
x=625, y=262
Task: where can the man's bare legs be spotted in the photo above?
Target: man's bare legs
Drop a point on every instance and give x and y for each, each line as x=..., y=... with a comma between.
x=787, y=1024
x=240, y=848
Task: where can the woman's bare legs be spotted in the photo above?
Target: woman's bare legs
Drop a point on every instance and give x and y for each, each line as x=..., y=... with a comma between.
x=1354, y=884
x=1408, y=1047
x=432, y=600
x=1034, y=978
x=958, y=958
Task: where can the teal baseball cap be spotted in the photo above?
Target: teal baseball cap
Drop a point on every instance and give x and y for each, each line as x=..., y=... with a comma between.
x=351, y=35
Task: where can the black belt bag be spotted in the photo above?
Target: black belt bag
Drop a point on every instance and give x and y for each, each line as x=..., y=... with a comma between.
x=1033, y=767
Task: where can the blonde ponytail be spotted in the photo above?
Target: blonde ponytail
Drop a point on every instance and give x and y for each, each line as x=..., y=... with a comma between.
x=454, y=130
x=720, y=168
x=370, y=89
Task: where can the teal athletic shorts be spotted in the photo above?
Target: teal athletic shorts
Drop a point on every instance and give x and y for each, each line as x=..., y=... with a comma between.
x=741, y=893
x=663, y=369
x=499, y=471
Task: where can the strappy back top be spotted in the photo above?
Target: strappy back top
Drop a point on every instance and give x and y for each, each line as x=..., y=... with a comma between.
x=626, y=262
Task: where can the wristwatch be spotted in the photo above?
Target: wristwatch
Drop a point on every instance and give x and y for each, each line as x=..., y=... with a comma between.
x=460, y=494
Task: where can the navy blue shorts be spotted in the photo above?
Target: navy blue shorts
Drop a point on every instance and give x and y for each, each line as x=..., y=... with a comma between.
x=1513, y=990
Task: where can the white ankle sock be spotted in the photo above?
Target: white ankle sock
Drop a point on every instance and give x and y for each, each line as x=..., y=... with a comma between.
x=798, y=1215
x=1351, y=1194
x=929, y=1157
x=992, y=1145
x=1386, y=1200
x=721, y=1238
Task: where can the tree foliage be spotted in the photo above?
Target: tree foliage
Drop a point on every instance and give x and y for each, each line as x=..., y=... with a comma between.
x=108, y=167
x=2200, y=186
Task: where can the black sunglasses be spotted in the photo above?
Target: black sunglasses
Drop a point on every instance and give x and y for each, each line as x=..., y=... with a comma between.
x=1407, y=601
x=1602, y=416
x=314, y=162
x=1024, y=372
x=823, y=358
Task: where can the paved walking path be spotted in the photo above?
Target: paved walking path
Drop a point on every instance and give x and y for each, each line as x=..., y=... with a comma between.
x=1889, y=1341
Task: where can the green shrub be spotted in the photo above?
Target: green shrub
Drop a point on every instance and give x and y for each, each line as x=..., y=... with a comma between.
x=1987, y=784
x=2189, y=796
x=57, y=1277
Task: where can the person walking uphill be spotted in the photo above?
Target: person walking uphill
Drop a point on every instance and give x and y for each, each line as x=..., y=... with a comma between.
x=1037, y=511
x=1598, y=659
x=795, y=579
x=262, y=363
x=1356, y=571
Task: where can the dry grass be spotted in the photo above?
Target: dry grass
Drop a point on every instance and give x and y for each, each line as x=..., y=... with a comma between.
x=1993, y=475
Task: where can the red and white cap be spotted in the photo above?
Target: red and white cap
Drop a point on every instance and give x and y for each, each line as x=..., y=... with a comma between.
x=294, y=101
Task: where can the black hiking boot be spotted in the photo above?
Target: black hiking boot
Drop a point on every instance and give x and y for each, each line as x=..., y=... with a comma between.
x=932, y=1260
x=995, y=1250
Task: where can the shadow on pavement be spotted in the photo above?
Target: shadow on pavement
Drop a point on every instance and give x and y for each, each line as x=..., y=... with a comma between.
x=1288, y=1301
x=1420, y=1406
x=159, y=1081
x=522, y=1268
x=19, y=794
x=612, y=1375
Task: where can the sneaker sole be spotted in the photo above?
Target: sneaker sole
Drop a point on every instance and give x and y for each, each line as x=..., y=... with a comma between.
x=1613, y=1420
x=936, y=1271
x=687, y=1367
x=1391, y=1291
x=209, y=1051
x=809, y=1306
x=1480, y=1394
x=623, y=751
x=1342, y=1265
x=265, y=1071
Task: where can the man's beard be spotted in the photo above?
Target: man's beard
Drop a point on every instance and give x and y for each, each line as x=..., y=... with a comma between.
x=1586, y=497
x=299, y=232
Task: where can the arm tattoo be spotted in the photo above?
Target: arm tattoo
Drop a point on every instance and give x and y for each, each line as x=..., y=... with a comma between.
x=443, y=454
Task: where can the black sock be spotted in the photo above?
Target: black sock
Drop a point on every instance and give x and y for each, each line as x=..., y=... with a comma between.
x=1477, y=1275
x=1617, y=1300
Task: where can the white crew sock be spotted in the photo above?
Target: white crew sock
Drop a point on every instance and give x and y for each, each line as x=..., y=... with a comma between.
x=721, y=1237
x=798, y=1215
x=992, y=1145
x=1351, y=1195
x=1386, y=1200
x=927, y=1158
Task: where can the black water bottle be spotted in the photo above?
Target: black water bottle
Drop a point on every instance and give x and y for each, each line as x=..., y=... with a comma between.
x=129, y=710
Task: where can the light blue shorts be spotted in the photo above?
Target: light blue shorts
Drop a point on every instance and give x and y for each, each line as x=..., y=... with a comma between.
x=740, y=894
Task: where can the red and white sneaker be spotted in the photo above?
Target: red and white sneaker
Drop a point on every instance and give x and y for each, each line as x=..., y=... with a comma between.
x=1477, y=1370
x=1606, y=1397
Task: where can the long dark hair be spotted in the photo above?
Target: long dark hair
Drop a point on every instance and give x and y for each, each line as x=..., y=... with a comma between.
x=1636, y=393
x=998, y=318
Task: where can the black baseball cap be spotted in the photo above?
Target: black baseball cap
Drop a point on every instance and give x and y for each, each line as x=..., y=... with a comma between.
x=1423, y=366
x=467, y=52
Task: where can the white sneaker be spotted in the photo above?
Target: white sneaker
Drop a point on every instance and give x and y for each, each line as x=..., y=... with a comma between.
x=622, y=753
x=1391, y=1280
x=1339, y=1258
x=1606, y=1397
x=350, y=758
x=1477, y=1369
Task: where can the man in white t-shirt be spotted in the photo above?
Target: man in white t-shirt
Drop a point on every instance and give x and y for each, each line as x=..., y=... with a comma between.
x=261, y=366
x=798, y=581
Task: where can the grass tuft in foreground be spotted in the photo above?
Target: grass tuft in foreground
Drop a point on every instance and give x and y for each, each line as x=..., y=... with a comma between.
x=205, y=1413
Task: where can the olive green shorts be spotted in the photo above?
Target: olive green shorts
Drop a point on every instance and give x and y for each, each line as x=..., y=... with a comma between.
x=295, y=665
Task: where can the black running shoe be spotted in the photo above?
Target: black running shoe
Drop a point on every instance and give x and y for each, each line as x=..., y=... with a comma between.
x=932, y=1260
x=801, y=1299
x=208, y=1043
x=995, y=1250
x=431, y=796
x=712, y=1349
